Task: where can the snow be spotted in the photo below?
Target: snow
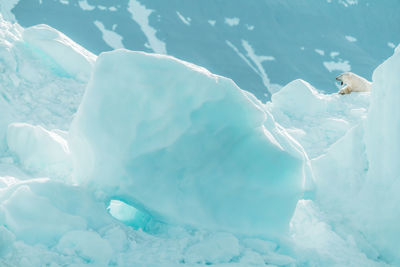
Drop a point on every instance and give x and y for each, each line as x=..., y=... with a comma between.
x=87, y=245
x=132, y=147
x=314, y=119
x=319, y=51
x=381, y=141
x=64, y=2
x=84, y=5
x=27, y=141
x=5, y=9
x=73, y=58
x=250, y=27
x=113, y=39
x=183, y=19
x=38, y=88
x=391, y=45
x=176, y=166
x=140, y=14
x=232, y=21
x=256, y=64
x=334, y=54
x=350, y=38
x=339, y=65
x=212, y=22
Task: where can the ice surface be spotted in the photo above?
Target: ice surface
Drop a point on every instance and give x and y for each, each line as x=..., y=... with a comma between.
x=314, y=119
x=43, y=74
x=74, y=59
x=184, y=146
x=178, y=144
x=380, y=194
x=28, y=143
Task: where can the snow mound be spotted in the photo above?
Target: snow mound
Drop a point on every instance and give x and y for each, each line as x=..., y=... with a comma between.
x=74, y=59
x=314, y=119
x=170, y=138
x=43, y=74
x=39, y=150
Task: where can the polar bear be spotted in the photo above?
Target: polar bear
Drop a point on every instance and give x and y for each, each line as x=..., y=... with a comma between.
x=354, y=83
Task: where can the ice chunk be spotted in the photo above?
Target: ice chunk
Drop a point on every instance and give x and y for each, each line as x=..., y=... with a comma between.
x=217, y=248
x=317, y=244
x=76, y=60
x=33, y=218
x=6, y=240
x=340, y=172
x=38, y=85
x=380, y=195
x=86, y=245
x=185, y=145
x=314, y=119
x=299, y=98
x=39, y=150
x=40, y=211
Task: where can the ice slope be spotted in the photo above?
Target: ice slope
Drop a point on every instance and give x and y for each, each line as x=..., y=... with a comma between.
x=314, y=119
x=355, y=167
x=261, y=45
x=187, y=146
x=41, y=82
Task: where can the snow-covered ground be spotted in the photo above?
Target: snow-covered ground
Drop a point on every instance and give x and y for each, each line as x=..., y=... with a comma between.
x=136, y=159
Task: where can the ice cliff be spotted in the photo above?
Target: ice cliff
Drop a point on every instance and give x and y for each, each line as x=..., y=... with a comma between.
x=135, y=159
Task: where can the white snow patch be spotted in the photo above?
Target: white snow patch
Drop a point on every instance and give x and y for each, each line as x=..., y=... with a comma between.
x=347, y=3
x=183, y=19
x=232, y=21
x=258, y=60
x=339, y=65
x=391, y=45
x=112, y=8
x=351, y=39
x=250, y=27
x=334, y=54
x=64, y=2
x=140, y=14
x=111, y=38
x=256, y=64
x=84, y=5
x=102, y=7
x=212, y=22
x=319, y=51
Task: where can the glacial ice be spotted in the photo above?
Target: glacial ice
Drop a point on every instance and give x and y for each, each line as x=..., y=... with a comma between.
x=213, y=175
x=43, y=74
x=177, y=145
x=27, y=142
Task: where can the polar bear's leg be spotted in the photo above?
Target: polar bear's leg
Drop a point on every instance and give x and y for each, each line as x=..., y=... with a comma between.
x=345, y=90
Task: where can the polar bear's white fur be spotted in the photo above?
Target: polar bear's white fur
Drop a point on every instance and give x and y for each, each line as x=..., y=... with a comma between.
x=354, y=83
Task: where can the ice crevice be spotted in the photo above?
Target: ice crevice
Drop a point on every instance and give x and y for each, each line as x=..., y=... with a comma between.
x=137, y=159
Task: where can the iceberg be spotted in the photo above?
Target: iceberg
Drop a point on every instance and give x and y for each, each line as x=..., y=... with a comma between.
x=184, y=145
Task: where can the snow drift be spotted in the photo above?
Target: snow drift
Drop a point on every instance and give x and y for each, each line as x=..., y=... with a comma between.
x=185, y=145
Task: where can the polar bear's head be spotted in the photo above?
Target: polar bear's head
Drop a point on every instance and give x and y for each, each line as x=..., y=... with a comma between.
x=346, y=78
